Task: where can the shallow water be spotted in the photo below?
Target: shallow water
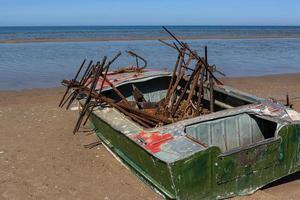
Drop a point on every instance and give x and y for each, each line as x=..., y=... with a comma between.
x=32, y=65
x=271, y=50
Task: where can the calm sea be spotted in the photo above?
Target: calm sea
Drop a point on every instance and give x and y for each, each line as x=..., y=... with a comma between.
x=236, y=50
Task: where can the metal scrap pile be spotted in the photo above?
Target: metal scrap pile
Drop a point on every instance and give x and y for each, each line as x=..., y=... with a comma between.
x=184, y=98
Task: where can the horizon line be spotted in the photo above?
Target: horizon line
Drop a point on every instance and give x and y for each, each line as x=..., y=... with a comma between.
x=146, y=25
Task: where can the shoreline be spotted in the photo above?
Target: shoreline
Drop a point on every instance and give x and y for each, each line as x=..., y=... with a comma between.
x=45, y=40
x=225, y=79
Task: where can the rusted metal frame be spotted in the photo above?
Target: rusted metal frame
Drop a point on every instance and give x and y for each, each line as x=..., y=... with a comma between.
x=102, y=84
x=99, y=98
x=173, y=100
x=106, y=68
x=167, y=44
x=92, y=71
x=195, y=55
x=79, y=70
x=179, y=57
x=89, y=113
x=214, y=69
x=84, y=109
x=181, y=71
x=117, y=91
x=136, y=118
x=196, y=141
x=64, y=96
x=155, y=118
x=144, y=122
x=174, y=46
x=200, y=93
x=206, y=65
x=141, y=119
x=194, y=84
x=70, y=86
x=185, y=65
x=74, y=95
x=86, y=72
x=71, y=98
x=88, y=79
x=174, y=109
x=95, y=104
x=147, y=105
x=172, y=97
x=105, y=74
x=81, y=115
x=137, y=62
x=89, y=97
x=131, y=53
x=92, y=145
x=185, y=115
x=138, y=96
x=147, y=121
x=211, y=86
x=82, y=82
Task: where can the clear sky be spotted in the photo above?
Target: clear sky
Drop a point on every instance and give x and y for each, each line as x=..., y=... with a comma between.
x=151, y=12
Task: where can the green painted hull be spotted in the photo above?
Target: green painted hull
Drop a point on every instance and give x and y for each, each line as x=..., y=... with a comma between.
x=209, y=174
x=249, y=143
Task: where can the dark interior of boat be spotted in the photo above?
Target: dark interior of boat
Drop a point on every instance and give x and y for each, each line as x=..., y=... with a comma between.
x=155, y=90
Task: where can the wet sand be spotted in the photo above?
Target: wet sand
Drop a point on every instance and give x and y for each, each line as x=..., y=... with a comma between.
x=40, y=158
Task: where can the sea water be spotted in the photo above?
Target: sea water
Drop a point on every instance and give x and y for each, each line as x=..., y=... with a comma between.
x=236, y=51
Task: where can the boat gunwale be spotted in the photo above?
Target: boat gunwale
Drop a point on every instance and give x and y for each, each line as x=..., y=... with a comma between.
x=180, y=126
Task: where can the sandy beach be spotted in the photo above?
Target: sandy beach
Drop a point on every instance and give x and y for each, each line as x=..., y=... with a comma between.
x=40, y=158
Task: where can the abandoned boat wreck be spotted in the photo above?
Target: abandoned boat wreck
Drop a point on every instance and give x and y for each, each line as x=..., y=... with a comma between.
x=185, y=133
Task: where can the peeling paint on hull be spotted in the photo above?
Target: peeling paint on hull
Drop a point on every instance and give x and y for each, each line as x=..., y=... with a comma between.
x=183, y=169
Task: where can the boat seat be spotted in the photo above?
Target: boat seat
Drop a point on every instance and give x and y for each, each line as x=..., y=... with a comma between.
x=233, y=131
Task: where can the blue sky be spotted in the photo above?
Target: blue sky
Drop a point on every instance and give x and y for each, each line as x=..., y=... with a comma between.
x=151, y=12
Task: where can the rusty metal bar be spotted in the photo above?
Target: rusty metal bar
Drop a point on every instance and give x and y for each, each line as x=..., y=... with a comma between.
x=195, y=55
x=131, y=53
x=141, y=113
x=88, y=99
x=200, y=93
x=174, y=109
x=70, y=86
x=211, y=85
x=197, y=141
x=106, y=70
x=179, y=57
x=194, y=84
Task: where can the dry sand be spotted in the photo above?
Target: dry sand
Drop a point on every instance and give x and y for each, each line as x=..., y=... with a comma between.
x=40, y=158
